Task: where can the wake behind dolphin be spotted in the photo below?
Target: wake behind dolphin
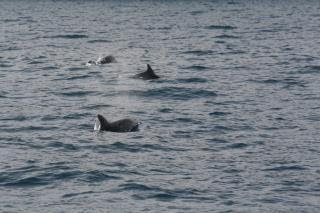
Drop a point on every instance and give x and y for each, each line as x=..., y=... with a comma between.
x=147, y=75
x=123, y=125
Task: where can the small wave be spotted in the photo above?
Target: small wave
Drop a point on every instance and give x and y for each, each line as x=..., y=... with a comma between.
x=68, y=36
x=98, y=176
x=135, y=186
x=49, y=118
x=12, y=48
x=199, y=52
x=97, y=106
x=164, y=28
x=36, y=62
x=159, y=147
x=149, y=192
x=48, y=176
x=310, y=69
x=68, y=147
x=184, y=120
x=219, y=113
x=15, y=118
x=77, y=68
x=50, y=68
x=220, y=27
x=27, y=182
x=197, y=12
x=99, y=41
x=3, y=65
x=30, y=128
x=165, y=110
x=125, y=147
x=77, y=77
x=220, y=42
x=222, y=128
x=193, y=80
x=176, y=93
x=267, y=81
x=237, y=146
x=76, y=93
x=3, y=94
x=233, y=2
x=76, y=116
x=217, y=140
x=287, y=82
x=226, y=37
x=163, y=197
x=11, y=20
x=285, y=168
x=196, y=67
x=77, y=194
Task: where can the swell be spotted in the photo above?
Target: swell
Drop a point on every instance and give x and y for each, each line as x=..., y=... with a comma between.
x=144, y=192
x=68, y=36
x=175, y=93
x=34, y=176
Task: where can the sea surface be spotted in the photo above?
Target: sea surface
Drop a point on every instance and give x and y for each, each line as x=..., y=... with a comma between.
x=232, y=125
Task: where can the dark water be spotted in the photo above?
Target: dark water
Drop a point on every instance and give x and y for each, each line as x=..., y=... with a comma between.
x=231, y=126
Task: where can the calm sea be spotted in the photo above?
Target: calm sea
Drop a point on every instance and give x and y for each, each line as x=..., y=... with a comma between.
x=232, y=125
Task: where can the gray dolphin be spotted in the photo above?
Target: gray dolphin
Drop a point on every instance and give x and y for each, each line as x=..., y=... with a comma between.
x=147, y=75
x=104, y=60
x=123, y=125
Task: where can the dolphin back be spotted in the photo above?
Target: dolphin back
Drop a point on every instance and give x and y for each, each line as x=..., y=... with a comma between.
x=123, y=125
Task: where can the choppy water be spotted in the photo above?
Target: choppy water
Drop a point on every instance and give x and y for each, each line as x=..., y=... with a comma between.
x=232, y=125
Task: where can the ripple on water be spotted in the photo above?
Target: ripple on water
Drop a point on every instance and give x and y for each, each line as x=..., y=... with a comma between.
x=197, y=12
x=197, y=67
x=76, y=77
x=68, y=195
x=97, y=176
x=286, y=168
x=192, y=80
x=220, y=27
x=134, y=148
x=75, y=93
x=176, y=93
x=199, y=52
x=144, y=192
x=99, y=41
x=237, y=146
x=219, y=113
x=310, y=69
x=36, y=176
x=225, y=36
x=5, y=65
x=64, y=146
x=68, y=36
x=30, y=129
x=285, y=82
x=10, y=20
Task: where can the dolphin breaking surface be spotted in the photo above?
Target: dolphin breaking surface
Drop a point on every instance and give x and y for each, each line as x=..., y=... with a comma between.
x=102, y=60
x=123, y=125
x=149, y=74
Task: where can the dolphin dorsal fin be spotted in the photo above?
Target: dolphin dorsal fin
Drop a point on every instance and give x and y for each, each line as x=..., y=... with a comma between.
x=103, y=122
x=149, y=70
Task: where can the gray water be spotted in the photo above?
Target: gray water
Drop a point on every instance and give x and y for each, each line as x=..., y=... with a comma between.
x=232, y=125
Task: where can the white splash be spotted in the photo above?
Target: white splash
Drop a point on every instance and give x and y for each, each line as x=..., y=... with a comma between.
x=97, y=125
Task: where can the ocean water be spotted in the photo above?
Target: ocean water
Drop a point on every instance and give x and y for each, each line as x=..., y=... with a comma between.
x=232, y=125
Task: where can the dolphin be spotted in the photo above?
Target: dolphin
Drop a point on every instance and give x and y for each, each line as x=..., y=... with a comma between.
x=123, y=125
x=102, y=60
x=147, y=75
